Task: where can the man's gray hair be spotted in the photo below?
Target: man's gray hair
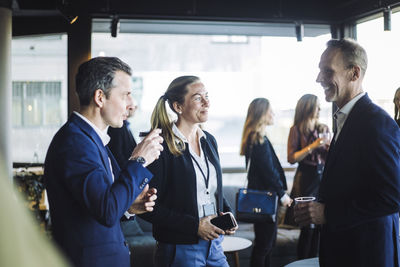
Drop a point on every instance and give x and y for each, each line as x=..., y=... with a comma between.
x=353, y=54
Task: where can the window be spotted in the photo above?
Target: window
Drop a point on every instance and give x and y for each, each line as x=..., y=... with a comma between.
x=235, y=70
x=36, y=103
x=382, y=77
x=39, y=94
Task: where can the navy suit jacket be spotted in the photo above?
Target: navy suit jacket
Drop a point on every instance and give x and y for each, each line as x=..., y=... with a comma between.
x=361, y=191
x=85, y=204
x=121, y=143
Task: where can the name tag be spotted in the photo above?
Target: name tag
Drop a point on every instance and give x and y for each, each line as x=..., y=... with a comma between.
x=209, y=209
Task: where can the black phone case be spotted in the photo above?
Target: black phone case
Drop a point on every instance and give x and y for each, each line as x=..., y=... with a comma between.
x=224, y=222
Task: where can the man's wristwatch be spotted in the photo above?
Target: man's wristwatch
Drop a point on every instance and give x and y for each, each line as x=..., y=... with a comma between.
x=139, y=159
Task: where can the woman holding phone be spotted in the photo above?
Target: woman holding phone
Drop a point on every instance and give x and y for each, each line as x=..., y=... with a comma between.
x=264, y=173
x=188, y=179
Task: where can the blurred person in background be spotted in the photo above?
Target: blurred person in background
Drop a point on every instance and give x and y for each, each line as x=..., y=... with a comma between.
x=396, y=101
x=264, y=173
x=21, y=242
x=306, y=148
x=188, y=178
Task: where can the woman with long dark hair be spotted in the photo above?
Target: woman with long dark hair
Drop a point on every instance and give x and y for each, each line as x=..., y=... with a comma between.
x=306, y=148
x=264, y=173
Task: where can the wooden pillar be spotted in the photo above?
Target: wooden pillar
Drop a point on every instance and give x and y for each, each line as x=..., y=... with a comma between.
x=79, y=51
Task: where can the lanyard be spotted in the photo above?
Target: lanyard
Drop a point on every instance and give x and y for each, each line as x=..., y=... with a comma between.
x=206, y=179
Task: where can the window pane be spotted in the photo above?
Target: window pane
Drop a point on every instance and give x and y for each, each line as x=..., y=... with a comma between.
x=382, y=77
x=39, y=74
x=234, y=69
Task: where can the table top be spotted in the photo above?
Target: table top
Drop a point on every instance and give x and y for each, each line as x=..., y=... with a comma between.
x=313, y=262
x=233, y=243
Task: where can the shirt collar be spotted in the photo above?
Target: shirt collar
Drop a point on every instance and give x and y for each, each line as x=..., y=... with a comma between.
x=178, y=133
x=105, y=138
x=349, y=105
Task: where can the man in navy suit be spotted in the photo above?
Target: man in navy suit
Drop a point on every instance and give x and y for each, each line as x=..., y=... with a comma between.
x=359, y=195
x=88, y=192
x=122, y=141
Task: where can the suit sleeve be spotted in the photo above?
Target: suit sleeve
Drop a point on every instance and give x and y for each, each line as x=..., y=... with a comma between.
x=380, y=153
x=90, y=184
x=162, y=214
x=268, y=174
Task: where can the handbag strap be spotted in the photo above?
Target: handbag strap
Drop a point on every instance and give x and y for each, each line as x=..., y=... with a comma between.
x=246, y=183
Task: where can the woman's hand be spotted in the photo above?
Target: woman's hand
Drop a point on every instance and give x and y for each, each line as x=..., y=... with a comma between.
x=232, y=230
x=286, y=201
x=207, y=230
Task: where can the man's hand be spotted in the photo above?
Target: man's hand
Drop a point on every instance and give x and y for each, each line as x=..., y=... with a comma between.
x=150, y=148
x=144, y=202
x=207, y=230
x=309, y=212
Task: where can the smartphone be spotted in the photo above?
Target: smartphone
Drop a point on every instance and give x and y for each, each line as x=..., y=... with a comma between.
x=225, y=222
x=143, y=134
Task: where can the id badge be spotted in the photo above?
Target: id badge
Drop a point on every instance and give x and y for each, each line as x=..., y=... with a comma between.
x=209, y=209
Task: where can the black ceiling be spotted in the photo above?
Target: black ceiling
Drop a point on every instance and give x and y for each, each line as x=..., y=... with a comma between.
x=41, y=12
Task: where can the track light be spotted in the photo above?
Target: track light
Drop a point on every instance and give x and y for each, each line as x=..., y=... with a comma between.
x=114, y=26
x=387, y=19
x=299, y=31
x=67, y=12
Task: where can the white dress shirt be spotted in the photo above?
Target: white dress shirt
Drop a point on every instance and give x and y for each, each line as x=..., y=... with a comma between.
x=342, y=114
x=202, y=197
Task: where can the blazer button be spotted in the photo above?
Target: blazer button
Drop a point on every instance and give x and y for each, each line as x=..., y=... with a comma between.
x=125, y=243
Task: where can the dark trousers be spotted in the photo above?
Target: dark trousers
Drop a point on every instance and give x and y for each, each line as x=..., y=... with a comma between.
x=308, y=245
x=265, y=237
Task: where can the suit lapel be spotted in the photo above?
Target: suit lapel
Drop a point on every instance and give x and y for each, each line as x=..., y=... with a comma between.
x=91, y=133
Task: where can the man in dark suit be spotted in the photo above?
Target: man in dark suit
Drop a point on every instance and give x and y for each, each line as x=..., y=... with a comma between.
x=122, y=141
x=88, y=192
x=359, y=195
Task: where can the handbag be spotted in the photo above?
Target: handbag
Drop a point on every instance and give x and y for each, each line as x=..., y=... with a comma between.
x=255, y=206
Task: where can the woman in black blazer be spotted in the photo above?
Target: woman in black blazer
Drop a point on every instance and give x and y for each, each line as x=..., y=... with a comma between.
x=188, y=179
x=265, y=173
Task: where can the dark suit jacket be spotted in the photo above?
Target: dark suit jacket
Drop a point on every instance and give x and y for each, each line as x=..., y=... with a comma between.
x=85, y=204
x=265, y=171
x=121, y=143
x=361, y=191
x=175, y=217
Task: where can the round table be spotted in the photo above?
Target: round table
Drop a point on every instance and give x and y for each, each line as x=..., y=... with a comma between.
x=233, y=245
x=312, y=262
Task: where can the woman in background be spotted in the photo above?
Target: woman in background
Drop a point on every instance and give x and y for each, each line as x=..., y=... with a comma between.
x=396, y=101
x=265, y=173
x=306, y=148
x=188, y=179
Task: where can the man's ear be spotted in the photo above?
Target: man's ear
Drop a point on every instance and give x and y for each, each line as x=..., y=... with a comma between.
x=99, y=98
x=177, y=107
x=355, y=73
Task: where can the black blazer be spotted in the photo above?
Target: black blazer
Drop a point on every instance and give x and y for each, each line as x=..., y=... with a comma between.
x=175, y=216
x=121, y=143
x=265, y=171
